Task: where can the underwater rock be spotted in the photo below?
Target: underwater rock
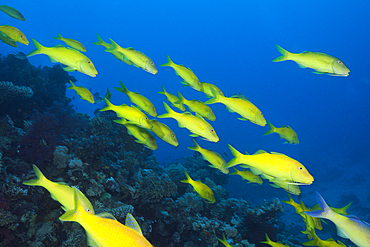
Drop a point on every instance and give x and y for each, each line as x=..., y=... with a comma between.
x=10, y=92
x=60, y=157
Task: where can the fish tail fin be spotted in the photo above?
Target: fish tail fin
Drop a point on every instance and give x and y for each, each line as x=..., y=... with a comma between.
x=164, y=90
x=39, y=181
x=73, y=85
x=285, y=54
x=290, y=202
x=100, y=40
x=223, y=240
x=169, y=113
x=114, y=47
x=343, y=210
x=59, y=37
x=182, y=99
x=325, y=212
x=188, y=178
x=236, y=171
x=196, y=146
x=268, y=240
x=122, y=89
x=271, y=130
x=215, y=99
x=236, y=160
x=74, y=214
x=169, y=63
x=38, y=49
x=109, y=105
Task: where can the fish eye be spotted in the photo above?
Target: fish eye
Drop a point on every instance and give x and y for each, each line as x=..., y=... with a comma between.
x=340, y=62
x=300, y=168
x=173, y=136
x=212, y=130
x=88, y=210
x=88, y=62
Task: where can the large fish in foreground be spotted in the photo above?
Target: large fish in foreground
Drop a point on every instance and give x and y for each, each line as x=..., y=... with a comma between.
x=12, y=12
x=73, y=59
x=272, y=166
x=350, y=227
x=322, y=63
x=104, y=230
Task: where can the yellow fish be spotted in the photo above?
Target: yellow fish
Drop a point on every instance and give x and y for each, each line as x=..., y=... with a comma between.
x=14, y=34
x=197, y=107
x=140, y=101
x=310, y=222
x=5, y=39
x=206, y=88
x=12, y=12
x=60, y=192
x=297, y=207
x=288, y=187
x=194, y=124
x=138, y=59
x=212, y=157
x=203, y=190
x=173, y=99
x=142, y=135
x=247, y=175
x=132, y=114
x=322, y=243
x=186, y=74
x=242, y=106
x=164, y=132
x=73, y=59
x=272, y=166
x=72, y=43
x=342, y=211
x=224, y=241
x=322, y=63
x=272, y=243
x=116, y=54
x=285, y=132
x=83, y=92
x=350, y=227
x=104, y=230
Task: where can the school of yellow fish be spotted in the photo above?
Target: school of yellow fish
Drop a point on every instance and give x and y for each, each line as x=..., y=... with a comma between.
x=279, y=169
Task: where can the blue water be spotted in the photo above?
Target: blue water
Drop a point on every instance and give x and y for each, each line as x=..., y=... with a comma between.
x=229, y=44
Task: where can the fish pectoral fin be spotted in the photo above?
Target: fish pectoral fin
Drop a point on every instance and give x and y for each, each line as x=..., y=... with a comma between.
x=243, y=119
x=341, y=233
x=106, y=216
x=136, y=65
x=319, y=73
x=132, y=223
x=302, y=66
x=229, y=109
x=194, y=135
x=185, y=84
x=69, y=69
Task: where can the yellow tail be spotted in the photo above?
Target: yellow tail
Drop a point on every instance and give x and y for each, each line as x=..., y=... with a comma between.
x=285, y=54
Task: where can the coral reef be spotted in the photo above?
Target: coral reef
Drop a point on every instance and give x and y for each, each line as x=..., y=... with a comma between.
x=10, y=93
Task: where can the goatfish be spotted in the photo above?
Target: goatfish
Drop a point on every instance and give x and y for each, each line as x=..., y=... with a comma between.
x=132, y=114
x=272, y=166
x=297, y=207
x=242, y=106
x=272, y=243
x=310, y=222
x=285, y=132
x=247, y=175
x=12, y=12
x=73, y=59
x=140, y=101
x=138, y=59
x=72, y=43
x=14, y=34
x=5, y=39
x=83, y=92
x=322, y=243
x=173, y=99
x=104, y=230
x=195, y=124
x=164, y=132
x=190, y=79
x=288, y=187
x=197, y=107
x=142, y=135
x=206, y=89
x=216, y=161
x=224, y=241
x=203, y=190
x=116, y=54
x=60, y=192
x=349, y=227
x=322, y=63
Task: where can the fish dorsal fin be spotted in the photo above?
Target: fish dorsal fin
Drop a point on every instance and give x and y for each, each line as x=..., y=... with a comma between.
x=130, y=48
x=106, y=215
x=278, y=153
x=132, y=223
x=341, y=233
x=260, y=152
x=353, y=217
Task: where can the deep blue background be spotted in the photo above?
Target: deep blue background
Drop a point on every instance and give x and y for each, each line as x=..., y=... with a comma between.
x=230, y=45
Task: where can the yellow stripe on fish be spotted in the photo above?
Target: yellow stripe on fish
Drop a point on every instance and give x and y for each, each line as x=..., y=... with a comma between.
x=132, y=114
x=322, y=63
x=104, y=230
x=140, y=101
x=72, y=43
x=203, y=190
x=190, y=79
x=73, y=59
x=212, y=157
x=195, y=124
